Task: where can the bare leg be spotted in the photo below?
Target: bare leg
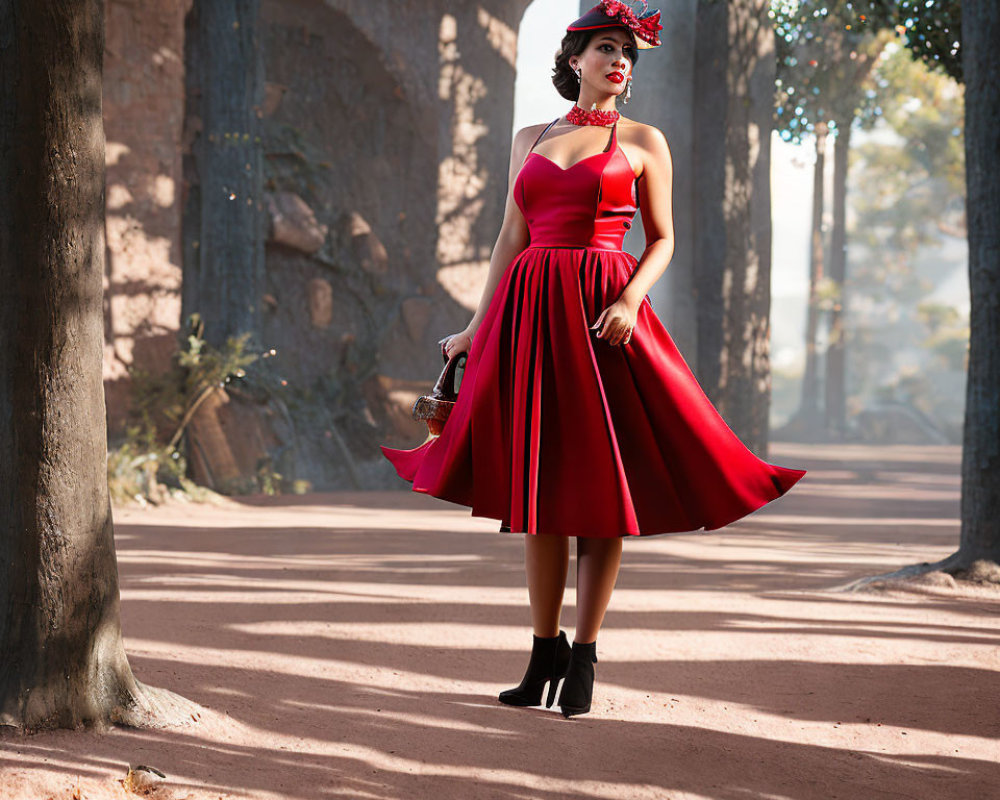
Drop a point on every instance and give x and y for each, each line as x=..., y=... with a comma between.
x=597, y=562
x=546, y=563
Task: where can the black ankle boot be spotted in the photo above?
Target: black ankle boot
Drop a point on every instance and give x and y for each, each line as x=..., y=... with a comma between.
x=549, y=657
x=578, y=686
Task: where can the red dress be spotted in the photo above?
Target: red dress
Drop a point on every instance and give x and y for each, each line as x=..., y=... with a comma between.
x=557, y=432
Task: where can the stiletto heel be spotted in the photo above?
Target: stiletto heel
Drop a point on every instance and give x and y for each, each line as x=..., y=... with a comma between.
x=549, y=658
x=578, y=681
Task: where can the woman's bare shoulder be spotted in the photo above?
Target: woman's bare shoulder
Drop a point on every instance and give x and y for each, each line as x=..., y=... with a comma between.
x=648, y=137
x=523, y=140
x=529, y=134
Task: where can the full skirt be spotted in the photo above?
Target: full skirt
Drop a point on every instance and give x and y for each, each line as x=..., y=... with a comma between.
x=557, y=432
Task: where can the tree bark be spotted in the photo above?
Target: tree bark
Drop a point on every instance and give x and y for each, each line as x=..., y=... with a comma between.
x=223, y=215
x=835, y=386
x=734, y=75
x=980, y=538
x=63, y=660
x=711, y=97
x=808, y=416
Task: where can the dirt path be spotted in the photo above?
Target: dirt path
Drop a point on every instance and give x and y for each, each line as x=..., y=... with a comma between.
x=352, y=645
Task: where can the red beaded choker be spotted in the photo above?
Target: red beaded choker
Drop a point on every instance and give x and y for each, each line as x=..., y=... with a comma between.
x=579, y=116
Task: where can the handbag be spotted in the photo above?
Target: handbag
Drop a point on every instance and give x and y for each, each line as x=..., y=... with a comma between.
x=435, y=407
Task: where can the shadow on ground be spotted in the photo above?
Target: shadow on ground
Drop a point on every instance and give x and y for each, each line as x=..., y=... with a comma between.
x=352, y=646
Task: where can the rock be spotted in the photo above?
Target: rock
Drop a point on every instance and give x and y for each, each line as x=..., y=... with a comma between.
x=367, y=248
x=230, y=438
x=392, y=399
x=293, y=222
x=320, y=294
x=273, y=93
x=416, y=313
x=143, y=780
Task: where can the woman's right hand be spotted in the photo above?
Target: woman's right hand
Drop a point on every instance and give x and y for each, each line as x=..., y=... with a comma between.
x=457, y=343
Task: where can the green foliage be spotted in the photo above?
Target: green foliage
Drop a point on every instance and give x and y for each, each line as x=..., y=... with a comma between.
x=825, y=49
x=828, y=294
x=205, y=366
x=931, y=29
x=911, y=186
x=926, y=109
x=948, y=335
x=909, y=199
x=142, y=469
x=148, y=466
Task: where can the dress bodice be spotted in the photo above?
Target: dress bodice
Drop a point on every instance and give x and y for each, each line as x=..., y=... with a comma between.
x=589, y=204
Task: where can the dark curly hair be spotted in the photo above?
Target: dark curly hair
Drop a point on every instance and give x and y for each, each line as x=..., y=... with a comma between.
x=574, y=43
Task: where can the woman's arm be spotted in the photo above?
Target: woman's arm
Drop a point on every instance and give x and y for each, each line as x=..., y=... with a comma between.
x=513, y=238
x=655, y=190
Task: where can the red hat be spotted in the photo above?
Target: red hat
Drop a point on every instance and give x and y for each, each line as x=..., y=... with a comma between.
x=614, y=13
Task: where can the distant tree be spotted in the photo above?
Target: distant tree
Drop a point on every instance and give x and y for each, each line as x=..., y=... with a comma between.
x=910, y=196
x=63, y=663
x=972, y=57
x=826, y=48
x=826, y=51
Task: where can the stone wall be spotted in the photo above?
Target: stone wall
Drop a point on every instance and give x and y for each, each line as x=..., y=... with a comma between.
x=143, y=118
x=387, y=131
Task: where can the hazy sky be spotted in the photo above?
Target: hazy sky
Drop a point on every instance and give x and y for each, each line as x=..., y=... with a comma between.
x=542, y=28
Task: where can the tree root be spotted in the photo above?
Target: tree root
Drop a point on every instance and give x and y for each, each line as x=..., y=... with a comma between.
x=955, y=574
x=150, y=707
x=137, y=706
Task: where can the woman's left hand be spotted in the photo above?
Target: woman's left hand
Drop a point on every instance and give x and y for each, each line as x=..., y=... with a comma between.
x=616, y=323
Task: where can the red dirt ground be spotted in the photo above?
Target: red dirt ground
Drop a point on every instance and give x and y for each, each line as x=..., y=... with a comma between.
x=352, y=645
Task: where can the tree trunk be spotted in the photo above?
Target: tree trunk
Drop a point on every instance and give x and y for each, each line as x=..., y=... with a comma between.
x=63, y=660
x=808, y=416
x=734, y=75
x=223, y=219
x=980, y=538
x=709, y=156
x=835, y=386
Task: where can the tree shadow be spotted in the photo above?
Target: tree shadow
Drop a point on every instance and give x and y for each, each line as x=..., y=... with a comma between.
x=358, y=651
x=330, y=738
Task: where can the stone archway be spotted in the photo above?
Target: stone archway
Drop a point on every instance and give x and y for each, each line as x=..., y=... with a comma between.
x=386, y=131
x=393, y=128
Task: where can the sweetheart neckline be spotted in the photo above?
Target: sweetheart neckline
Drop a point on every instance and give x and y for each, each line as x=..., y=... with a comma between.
x=575, y=163
x=611, y=152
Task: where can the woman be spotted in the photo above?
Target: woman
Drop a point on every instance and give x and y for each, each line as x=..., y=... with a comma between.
x=577, y=416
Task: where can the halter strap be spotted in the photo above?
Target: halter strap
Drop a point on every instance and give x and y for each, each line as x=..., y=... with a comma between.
x=539, y=137
x=607, y=148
